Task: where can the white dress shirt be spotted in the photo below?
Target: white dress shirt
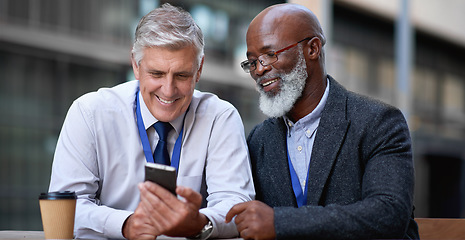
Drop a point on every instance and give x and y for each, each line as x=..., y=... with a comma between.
x=99, y=155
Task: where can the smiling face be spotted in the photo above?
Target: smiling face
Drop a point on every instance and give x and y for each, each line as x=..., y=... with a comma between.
x=298, y=74
x=278, y=95
x=261, y=41
x=280, y=84
x=167, y=80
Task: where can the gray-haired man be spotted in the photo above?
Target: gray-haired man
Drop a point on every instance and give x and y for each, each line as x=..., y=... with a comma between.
x=107, y=134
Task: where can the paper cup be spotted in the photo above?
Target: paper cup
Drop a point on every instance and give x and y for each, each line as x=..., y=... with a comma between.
x=57, y=210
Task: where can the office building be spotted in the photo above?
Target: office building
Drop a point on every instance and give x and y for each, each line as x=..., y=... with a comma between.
x=53, y=51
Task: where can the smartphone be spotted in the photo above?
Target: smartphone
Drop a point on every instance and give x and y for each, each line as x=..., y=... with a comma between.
x=162, y=175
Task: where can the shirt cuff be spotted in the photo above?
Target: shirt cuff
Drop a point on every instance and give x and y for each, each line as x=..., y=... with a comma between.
x=114, y=224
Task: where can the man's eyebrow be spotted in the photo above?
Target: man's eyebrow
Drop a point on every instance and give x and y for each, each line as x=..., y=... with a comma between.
x=151, y=71
x=183, y=73
x=154, y=71
x=261, y=50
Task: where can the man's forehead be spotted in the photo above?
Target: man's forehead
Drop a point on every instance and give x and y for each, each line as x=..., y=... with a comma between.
x=160, y=59
x=283, y=21
x=273, y=26
x=267, y=38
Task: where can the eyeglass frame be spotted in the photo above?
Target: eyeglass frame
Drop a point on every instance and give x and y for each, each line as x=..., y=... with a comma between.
x=274, y=53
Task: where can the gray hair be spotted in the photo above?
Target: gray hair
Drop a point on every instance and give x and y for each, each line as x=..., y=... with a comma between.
x=167, y=27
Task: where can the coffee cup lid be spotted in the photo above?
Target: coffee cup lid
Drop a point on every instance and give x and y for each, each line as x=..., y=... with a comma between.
x=58, y=195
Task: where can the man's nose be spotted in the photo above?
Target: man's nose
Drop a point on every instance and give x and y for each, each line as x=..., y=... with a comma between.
x=260, y=69
x=169, y=86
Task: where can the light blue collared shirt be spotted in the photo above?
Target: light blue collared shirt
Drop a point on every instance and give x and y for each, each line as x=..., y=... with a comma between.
x=300, y=138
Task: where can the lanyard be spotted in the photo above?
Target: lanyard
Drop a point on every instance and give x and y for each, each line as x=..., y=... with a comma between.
x=146, y=143
x=300, y=196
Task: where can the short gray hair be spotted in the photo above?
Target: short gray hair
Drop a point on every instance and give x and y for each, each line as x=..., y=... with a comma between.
x=167, y=27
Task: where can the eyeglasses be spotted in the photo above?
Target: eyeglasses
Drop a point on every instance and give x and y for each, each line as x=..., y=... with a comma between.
x=267, y=58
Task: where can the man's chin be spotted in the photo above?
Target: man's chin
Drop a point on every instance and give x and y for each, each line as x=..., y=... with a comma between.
x=271, y=106
x=270, y=94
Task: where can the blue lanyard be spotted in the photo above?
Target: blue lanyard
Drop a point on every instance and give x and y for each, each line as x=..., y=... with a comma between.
x=146, y=144
x=300, y=196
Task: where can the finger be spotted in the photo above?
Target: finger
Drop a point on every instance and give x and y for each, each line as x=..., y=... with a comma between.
x=245, y=234
x=235, y=210
x=150, y=200
x=139, y=225
x=240, y=225
x=147, y=237
x=155, y=208
x=190, y=196
x=158, y=194
x=240, y=218
x=146, y=198
x=159, y=191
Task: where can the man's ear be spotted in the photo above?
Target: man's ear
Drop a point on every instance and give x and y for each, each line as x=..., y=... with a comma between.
x=135, y=67
x=199, y=72
x=314, y=48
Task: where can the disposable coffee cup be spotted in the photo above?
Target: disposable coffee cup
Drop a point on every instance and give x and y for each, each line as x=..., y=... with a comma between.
x=57, y=210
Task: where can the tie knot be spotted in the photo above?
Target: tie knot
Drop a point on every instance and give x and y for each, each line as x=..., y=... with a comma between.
x=162, y=128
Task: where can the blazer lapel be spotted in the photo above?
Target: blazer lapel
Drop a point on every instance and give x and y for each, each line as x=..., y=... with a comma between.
x=277, y=166
x=328, y=140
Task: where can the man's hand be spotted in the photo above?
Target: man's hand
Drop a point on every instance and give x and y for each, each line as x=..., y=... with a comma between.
x=254, y=220
x=160, y=212
x=137, y=226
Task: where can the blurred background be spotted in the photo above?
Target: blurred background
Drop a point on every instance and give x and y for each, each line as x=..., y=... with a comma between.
x=410, y=54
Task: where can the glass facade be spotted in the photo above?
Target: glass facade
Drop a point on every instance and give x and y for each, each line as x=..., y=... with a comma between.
x=362, y=60
x=35, y=93
x=53, y=51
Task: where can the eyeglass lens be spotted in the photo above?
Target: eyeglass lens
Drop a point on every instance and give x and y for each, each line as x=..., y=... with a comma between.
x=267, y=58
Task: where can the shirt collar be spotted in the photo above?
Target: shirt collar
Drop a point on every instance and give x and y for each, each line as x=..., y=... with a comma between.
x=149, y=119
x=313, y=116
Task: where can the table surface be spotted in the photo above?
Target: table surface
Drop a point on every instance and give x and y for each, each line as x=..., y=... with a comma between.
x=22, y=235
x=40, y=235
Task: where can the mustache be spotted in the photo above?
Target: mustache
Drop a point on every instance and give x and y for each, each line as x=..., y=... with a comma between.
x=274, y=75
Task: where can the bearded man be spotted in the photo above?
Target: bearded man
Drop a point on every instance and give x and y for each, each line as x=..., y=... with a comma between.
x=328, y=163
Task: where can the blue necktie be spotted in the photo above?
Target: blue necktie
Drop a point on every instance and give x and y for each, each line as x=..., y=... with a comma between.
x=161, y=151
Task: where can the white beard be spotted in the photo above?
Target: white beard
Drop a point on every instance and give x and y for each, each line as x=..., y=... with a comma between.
x=292, y=86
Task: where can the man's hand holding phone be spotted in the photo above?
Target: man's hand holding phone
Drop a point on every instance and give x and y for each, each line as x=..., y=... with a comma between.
x=162, y=213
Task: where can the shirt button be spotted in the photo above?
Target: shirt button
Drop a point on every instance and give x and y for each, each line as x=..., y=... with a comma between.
x=308, y=131
x=299, y=148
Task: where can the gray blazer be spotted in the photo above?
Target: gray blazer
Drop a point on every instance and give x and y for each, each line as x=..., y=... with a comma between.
x=361, y=178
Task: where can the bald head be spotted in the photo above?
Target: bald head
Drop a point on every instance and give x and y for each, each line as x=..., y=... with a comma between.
x=291, y=34
x=290, y=20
